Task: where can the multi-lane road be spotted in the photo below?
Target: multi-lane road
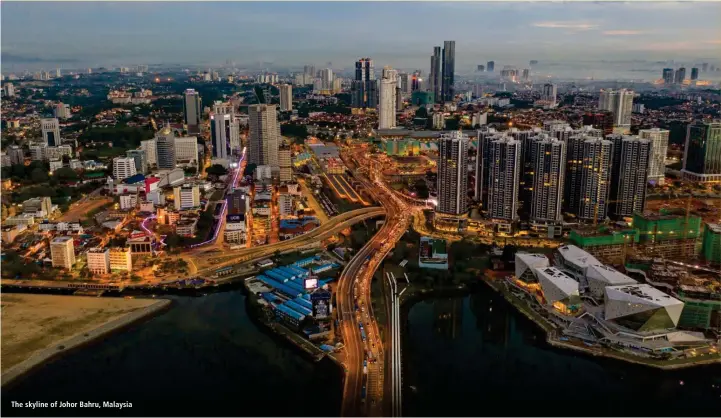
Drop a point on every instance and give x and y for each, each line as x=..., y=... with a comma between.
x=209, y=260
x=365, y=360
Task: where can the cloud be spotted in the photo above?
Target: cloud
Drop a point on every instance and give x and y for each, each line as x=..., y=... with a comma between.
x=713, y=42
x=577, y=25
x=623, y=32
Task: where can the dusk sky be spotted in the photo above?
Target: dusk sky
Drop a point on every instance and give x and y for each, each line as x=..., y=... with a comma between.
x=401, y=34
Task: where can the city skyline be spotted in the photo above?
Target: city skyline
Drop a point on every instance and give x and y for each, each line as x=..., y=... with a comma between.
x=113, y=33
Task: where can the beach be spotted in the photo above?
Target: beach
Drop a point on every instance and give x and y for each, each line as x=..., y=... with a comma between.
x=35, y=328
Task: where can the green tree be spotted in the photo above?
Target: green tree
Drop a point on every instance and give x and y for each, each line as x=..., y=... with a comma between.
x=66, y=173
x=216, y=170
x=39, y=175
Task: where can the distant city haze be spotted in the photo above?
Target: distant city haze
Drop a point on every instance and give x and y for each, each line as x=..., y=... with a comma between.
x=402, y=34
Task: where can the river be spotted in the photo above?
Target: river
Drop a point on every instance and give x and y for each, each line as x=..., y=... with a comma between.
x=203, y=357
x=471, y=355
x=476, y=355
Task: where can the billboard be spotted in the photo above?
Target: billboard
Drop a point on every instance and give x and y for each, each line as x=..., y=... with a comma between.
x=311, y=283
x=321, y=304
x=234, y=218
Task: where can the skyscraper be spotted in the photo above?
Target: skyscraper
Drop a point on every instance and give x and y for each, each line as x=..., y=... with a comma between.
x=222, y=122
x=405, y=83
x=668, y=76
x=326, y=78
x=680, y=75
x=434, y=77
x=659, y=148
x=505, y=161
x=526, y=74
x=192, y=111
x=387, y=99
x=702, y=154
x=490, y=66
x=264, y=139
x=549, y=161
x=549, y=94
x=51, y=131
x=630, y=174
x=595, y=178
x=694, y=74
x=618, y=102
x=448, y=90
x=453, y=173
x=165, y=148
x=387, y=104
x=483, y=159
x=286, y=97
x=364, y=87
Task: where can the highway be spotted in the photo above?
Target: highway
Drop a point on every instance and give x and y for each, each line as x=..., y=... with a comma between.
x=210, y=260
x=365, y=359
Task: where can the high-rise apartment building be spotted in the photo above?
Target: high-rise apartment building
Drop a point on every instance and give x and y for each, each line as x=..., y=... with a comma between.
x=264, y=139
x=549, y=162
x=694, y=74
x=62, y=111
x=434, y=78
x=629, y=175
x=9, y=89
x=326, y=78
x=51, y=131
x=123, y=167
x=595, y=170
x=364, y=88
x=284, y=161
x=387, y=99
x=618, y=102
x=165, y=149
x=286, y=97
x=659, y=148
x=62, y=252
x=453, y=173
x=549, y=94
x=448, y=90
x=490, y=66
x=702, y=153
x=680, y=75
x=667, y=76
x=505, y=161
x=192, y=111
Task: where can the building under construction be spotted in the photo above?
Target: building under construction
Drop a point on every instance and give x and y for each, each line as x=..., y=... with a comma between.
x=609, y=245
x=698, y=289
x=674, y=237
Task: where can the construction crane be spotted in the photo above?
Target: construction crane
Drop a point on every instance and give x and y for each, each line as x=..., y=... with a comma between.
x=596, y=210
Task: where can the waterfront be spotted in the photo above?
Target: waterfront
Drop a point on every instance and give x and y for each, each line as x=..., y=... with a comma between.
x=476, y=355
x=204, y=356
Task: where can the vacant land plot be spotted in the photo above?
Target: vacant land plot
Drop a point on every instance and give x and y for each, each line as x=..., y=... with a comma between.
x=32, y=323
x=81, y=211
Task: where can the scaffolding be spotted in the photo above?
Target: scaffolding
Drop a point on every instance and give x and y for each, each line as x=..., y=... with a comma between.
x=668, y=236
x=608, y=245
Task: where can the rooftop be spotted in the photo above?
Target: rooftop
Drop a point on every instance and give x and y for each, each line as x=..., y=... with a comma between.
x=577, y=256
x=608, y=275
x=560, y=279
x=641, y=292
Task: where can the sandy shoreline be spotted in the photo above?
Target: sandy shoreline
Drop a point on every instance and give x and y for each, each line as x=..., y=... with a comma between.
x=36, y=328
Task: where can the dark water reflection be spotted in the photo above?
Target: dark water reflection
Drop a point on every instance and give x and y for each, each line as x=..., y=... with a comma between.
x=203, y=357
x=476, y=355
